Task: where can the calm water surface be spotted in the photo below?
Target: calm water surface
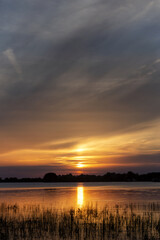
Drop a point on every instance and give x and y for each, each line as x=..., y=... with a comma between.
x=67, y=195
x=91, y=211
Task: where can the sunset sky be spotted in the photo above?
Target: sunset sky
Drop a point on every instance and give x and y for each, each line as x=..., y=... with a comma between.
x=79, y=86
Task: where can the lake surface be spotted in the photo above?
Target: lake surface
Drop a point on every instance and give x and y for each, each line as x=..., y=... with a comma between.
x=66, y=195
x=91, y=211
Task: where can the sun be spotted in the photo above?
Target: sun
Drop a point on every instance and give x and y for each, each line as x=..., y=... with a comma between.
x=80, y=165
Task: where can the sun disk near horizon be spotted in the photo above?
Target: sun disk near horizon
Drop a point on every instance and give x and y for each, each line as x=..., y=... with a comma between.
x=80, y=165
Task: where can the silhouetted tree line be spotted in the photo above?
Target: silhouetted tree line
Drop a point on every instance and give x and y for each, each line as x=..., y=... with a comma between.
x=108, y=177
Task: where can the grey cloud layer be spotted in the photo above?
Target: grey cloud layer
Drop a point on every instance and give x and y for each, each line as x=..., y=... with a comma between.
x=83, y=65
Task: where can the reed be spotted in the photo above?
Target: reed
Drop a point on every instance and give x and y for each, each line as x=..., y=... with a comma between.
x=116, y=222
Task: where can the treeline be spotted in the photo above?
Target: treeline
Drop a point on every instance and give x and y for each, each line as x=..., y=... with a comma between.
x=108, y=177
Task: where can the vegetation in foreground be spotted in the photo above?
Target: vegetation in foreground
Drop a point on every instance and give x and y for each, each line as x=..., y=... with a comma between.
x=127, y=221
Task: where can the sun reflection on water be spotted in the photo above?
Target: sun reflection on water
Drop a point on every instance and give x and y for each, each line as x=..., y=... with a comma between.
x=80, y=197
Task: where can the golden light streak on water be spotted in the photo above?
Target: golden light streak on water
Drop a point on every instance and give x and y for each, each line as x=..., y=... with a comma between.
x=80, y=197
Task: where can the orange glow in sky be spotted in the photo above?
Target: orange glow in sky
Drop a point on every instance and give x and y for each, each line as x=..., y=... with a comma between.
x=80, y=150
x=80, y=165
x=90, y=154
x=78, y=97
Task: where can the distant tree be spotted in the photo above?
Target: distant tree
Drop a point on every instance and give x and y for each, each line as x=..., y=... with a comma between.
x=50, y=177
x=11, y=179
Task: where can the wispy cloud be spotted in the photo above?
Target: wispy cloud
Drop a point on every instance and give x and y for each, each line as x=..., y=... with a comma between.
x=9, y=53
x=90, y=69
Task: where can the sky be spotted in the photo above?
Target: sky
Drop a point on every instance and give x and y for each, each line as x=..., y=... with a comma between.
x=79, y=86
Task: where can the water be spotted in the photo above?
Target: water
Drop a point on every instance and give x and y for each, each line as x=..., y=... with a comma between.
x=68, y=195
x=80, y=211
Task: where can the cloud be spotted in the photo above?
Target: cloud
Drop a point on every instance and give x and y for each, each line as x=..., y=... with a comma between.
x=157, y=61
x=12, y=58
x=90, y=69
x=28, y=171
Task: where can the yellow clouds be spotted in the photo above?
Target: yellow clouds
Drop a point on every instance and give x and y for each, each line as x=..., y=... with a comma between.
x=89, y=153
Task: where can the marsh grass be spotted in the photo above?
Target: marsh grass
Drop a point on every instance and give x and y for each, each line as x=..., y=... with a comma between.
x=119, y=222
